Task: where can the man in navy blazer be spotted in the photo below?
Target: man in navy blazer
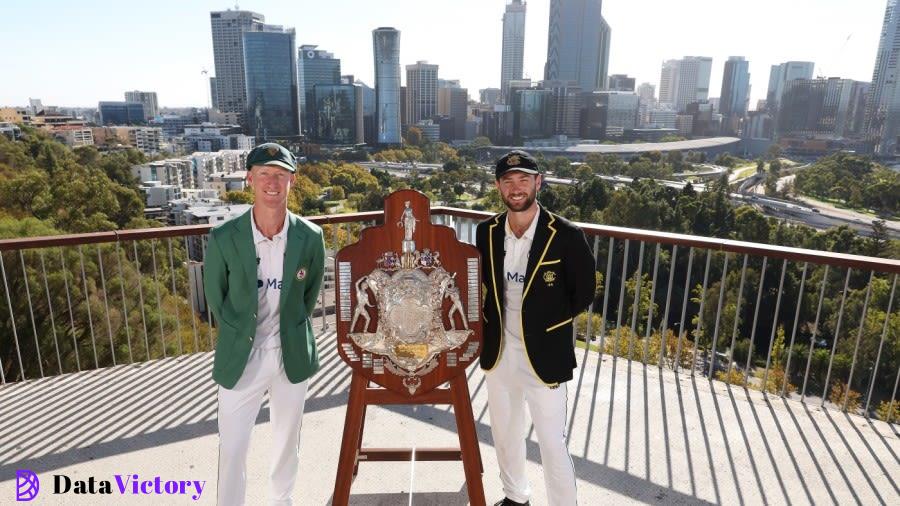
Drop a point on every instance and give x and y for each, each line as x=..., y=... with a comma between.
x=539, y=274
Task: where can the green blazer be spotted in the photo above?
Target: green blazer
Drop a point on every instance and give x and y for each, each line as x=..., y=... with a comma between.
x=230, y=281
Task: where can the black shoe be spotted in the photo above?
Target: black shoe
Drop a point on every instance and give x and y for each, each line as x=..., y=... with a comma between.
x=509, y=502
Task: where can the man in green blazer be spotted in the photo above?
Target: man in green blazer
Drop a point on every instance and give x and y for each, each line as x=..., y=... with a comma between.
x=262, y=275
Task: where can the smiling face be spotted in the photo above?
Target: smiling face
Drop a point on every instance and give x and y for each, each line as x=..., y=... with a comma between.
x=271, y=185
x=518, y=190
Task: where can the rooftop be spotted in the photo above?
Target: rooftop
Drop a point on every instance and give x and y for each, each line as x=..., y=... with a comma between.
x=638, y=435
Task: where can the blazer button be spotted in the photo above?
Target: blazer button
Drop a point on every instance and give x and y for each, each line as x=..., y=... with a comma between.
x=250, y=338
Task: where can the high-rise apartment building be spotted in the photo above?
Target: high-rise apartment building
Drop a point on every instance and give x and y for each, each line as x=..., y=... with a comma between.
x=421, y=91
x=147, y=99
x=513, y=43
x=883, y=107
x=270, y=66
x=575, y=47
x=386, y=45
x=314, y=67
x=228, y=55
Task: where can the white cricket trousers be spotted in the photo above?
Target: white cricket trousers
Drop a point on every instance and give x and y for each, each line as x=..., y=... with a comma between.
x=238, y=409
x=511, y=385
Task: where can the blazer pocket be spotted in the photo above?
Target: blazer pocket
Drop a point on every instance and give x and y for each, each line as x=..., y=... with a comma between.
x=550, y=262
x=558, y=325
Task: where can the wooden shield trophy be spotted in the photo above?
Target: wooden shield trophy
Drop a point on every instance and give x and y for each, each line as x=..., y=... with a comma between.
x=408, y=314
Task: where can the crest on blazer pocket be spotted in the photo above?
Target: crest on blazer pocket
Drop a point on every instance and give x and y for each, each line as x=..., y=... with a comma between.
x=549, y=277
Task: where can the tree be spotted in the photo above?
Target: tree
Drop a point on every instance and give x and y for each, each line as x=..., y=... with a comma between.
x=452, y=165
x=561, y=166
x=750, y=225
x=676, y=160
x=337, y=193
x=414, y=136
x=608, y=165
x=238, y=197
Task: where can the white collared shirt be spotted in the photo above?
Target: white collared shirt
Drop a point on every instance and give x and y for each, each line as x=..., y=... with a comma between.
x=515, y=263
x=269, y=271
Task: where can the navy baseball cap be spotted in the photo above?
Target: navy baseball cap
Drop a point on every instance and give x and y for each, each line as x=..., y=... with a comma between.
x=516, y=160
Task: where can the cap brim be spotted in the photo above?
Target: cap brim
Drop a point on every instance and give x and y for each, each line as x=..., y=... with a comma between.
x=525, y=170
x=279, y=163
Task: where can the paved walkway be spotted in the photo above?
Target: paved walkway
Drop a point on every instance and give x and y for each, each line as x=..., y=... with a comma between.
x=638, y=436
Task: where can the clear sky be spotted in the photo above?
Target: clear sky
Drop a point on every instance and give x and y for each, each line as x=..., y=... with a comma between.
x=78, y=53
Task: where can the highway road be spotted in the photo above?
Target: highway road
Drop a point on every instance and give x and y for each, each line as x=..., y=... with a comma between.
x=810, y=214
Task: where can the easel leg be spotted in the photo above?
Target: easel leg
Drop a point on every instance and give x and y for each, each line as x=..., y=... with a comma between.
x=350, y=441
x=362, y=430
x=468, y=439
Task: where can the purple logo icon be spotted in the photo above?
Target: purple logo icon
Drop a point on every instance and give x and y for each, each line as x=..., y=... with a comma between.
x=27, y=485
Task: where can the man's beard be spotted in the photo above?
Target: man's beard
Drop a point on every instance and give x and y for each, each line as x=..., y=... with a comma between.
x=521, y=205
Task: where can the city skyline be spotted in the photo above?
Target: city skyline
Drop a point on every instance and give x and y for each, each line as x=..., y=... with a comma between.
x=840, y=37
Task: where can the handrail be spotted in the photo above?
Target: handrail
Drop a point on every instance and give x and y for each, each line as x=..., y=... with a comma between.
x=710, y=243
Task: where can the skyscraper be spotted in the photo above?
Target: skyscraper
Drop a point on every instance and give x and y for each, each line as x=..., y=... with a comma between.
x=883, y=106
x=781, y=74
x=147, y=99
x=453, y=102
x=605, y=40
x=513, y=43
x=735, y=95
x=339, y=113
x=647, y=92
x=575, y=43
x=386, y=45
x=684, y=81
x=228, y=55
x=421, y=91
x=270, y=68
x=314, y=66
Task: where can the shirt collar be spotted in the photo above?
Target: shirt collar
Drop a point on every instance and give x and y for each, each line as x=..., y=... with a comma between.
x=529, y=232
x=258, y=236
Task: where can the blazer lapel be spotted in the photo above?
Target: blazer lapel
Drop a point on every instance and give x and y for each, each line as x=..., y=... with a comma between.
x=291, y=257
x=246, y=250
x=497, y=240
x=543, y=235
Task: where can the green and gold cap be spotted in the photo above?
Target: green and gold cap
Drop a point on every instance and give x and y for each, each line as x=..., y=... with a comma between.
x=272, y=153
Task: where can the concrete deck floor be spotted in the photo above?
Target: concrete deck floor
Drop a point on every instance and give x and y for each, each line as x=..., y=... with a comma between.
x=637, y=436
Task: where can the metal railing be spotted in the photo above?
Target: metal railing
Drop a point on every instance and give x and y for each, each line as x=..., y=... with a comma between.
x=817, y=326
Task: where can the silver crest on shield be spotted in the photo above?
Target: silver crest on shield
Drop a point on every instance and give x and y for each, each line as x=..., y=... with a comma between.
x=410, y=332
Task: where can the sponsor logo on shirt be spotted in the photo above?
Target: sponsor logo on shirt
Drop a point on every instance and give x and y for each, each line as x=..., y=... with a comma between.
x=273, y=283
x=515, y=277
